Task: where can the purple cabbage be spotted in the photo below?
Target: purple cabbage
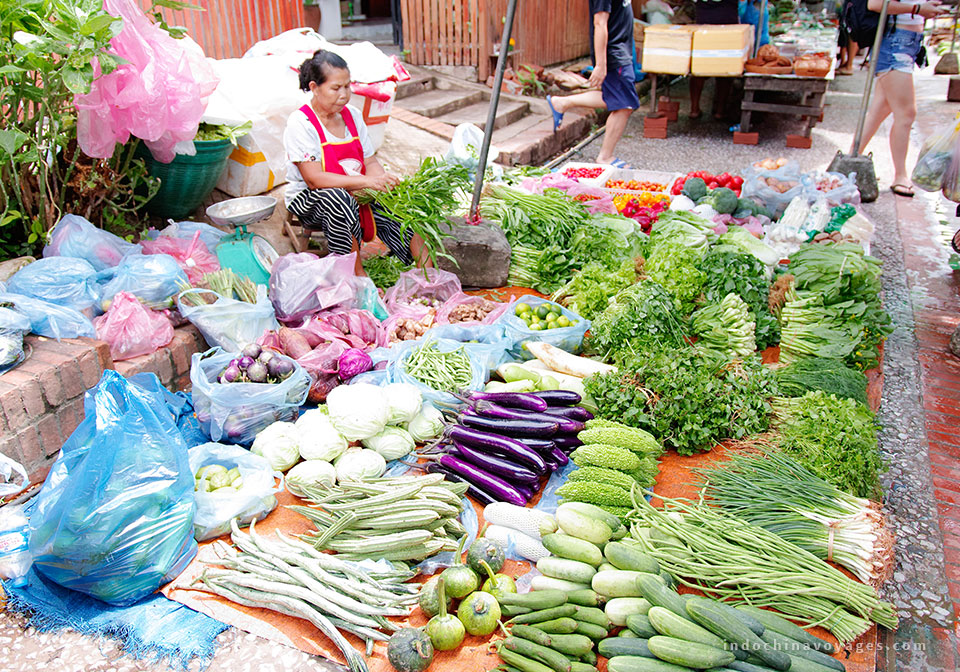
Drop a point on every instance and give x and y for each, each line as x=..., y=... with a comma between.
x=353, y=362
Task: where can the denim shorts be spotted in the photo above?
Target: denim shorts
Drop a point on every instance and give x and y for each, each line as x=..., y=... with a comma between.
x=898, y=51
x=619, y=89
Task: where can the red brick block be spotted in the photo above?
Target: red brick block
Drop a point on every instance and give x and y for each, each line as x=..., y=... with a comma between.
x=90, y=368
x=655, y=133
x=745, y=138
x=50, y=436
x=30, y=447
x=659, y=121
x=72, y=379
x=13, y=410
x=799, y=141
x=30, y=392
x=181, y=347
x=670, y=108
x=10, y=447
x=68, y=418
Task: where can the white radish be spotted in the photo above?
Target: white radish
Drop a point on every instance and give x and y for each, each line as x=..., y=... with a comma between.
x=563, y=362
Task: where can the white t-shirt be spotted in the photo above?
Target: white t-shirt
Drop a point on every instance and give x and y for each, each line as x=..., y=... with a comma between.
x=301, y=142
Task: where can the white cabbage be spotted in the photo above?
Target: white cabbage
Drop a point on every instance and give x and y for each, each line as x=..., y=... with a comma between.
x=358, y=464
x=393, y=443
x=358, y=411
x=426, y=425
x=319, y=439
x=404, y=400
x=280, y=444
x=310, y=472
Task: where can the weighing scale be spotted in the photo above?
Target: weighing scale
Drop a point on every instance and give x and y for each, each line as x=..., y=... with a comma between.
x=244, y=253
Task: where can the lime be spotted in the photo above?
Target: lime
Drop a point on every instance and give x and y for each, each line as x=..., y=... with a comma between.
x=543, y=311
x=526, y=317
x=536, y=326
x=552, y=317
x=563, y=321
x=522, y=308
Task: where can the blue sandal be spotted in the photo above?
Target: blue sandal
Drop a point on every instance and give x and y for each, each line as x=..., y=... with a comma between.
x=557, y=116
x=620, y=163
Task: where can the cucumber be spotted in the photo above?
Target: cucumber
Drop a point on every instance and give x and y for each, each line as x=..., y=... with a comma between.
x=541, y=615
x=578, y=666
x=619, y=608
x=796, y=649
x=595, y=512
x=571, y=548
x=582, y=526
x=567, y=570
x=628, y=633
x=667, y=579
x=626, y=556
x=586, y=598
x=640, y=624
x=668, y=623
x=591, y=630
x=688, y=654
x=592, y=615
x=799, y=664
x=520, y=662
x=558, y=626
x=772, y=621
x=707, y=613
x=538, y=583
x=755, y=626
x=509, y=610
x=652, y=588
x=619, y=583
x=590, y=657
x=542, y=654
x=570, y=645
x=540, y=599
x=605, y=567
x=619, y=646
x=640, y=664
x=741, y=666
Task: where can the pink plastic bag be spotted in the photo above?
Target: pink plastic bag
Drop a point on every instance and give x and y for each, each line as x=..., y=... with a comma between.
x=466, y=300
x=428, y=286
x=158, y=93
x=410, y=320
x=131, y=329
x=322, y=365
x=358, y=328
x=193, y=256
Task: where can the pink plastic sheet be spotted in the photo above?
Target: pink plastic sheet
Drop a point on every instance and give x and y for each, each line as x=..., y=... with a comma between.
x=158, y=94
x=193, y=256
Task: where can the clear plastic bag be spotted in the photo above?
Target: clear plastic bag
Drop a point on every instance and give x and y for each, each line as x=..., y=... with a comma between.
x=228, y=323
x=114, y=519
x=15, y=558
x=49, y=319
x=153, y=278
x=845, y=191
x=209, y=235
x=461, y=299
x=8, y=469
x=304, y=284
x=489, y=342
x=192, y=254
x=74, y=236
x=398, y=327
x=934, y=158
x=464, y=150
x=358, y=328
x=65, y=281
x=765, y=186
x=426, y=286
x=951, y=178
x=401, y=352
x=131, y=329
x=255, y=499
x=13, y=326
x=236, y=412
x=517, y=331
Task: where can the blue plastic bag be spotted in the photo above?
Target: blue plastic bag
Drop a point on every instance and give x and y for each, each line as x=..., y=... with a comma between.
x=153, y=278
x=49, y=319
x=65, y=281
x=400, y=353
x=567, y=338
x=114, y=519
x=74, y=236
x=209, y=235
x=236, y=412
x=489, y=340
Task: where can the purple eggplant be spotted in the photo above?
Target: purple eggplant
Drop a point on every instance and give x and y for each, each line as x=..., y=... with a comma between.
x=567, y=442
x=504, y=446
x=528, y=402
x=527, y=490
x=480, y=495
x=578, y=413
x=559, y=457
x=542, y=446
x=497, y=465
x=559, y=397
x=507, y=427
x=564, y=424
x=494, y=485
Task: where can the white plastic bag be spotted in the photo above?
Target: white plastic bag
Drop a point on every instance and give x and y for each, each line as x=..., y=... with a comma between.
x=255, y=499
x=9, y=467
x=15, y=558
x=464, y=149
x=228, y=323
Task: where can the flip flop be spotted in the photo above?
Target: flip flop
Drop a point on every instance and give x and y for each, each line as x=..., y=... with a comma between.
x=902, y=190
x=620, y=163
x=557, y=116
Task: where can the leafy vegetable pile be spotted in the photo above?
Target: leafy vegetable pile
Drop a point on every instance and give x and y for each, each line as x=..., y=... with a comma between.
x=727, y=269
x=384, y=270
x=675, y=267
x=820, y=373
x=725, y=329
x=593, y=286
x=641, y=316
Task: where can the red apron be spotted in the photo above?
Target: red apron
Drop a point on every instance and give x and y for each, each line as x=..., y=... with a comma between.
x=336, y=151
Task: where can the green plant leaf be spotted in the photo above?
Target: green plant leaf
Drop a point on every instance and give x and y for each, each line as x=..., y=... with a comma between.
x=97, y=23
x=11, y=140
x=75, y=80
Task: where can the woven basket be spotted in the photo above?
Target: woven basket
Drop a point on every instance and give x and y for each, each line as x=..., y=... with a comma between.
x=186, y=181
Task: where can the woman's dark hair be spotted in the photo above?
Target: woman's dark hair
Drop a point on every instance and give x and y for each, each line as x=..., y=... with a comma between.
x=317, y=67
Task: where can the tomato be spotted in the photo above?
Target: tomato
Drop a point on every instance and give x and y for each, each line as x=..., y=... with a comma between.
x=713, y=185
x=737, y=181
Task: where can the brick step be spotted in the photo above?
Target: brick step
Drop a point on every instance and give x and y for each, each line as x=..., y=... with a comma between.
x=531, y=139
x=415, y=85
x=508, y=112
x=437, y=103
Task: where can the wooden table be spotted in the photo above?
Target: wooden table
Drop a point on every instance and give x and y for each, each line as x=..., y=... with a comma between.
x=812, y=90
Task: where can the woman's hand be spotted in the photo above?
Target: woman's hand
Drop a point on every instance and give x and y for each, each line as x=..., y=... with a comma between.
x=930, y=10
x=382, y=182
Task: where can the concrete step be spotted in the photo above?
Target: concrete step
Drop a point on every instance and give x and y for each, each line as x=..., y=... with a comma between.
x=531, y=140
x=437, y=103
x=415, y=85
x=508, y=112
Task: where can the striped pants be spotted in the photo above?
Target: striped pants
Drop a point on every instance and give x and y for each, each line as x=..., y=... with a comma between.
x=337, y=214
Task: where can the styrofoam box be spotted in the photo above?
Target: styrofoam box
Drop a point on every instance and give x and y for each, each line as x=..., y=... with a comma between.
x=598, y=181
x=641, y=176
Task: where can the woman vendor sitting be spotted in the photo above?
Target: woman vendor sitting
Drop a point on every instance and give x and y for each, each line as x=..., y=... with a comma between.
x=329, y=158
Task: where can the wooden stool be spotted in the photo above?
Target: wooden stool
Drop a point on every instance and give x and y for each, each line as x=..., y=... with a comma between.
x=300, y=236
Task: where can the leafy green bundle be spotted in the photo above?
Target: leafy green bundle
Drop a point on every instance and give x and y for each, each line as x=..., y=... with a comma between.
x=589, y=291
x=639, y=317
x=675, y=267
x=385, y=270
x=834, y=438
x=820, y=373
x=687, y=402
x=727, y=269
x=725, y=330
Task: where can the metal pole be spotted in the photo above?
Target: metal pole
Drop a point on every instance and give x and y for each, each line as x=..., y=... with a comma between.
x=492, y=112
x=874, y=50
x=759, y=32
x=953, y=38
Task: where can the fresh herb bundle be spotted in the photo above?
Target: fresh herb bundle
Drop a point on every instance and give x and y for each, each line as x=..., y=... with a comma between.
x=839, y=271
x=592, y=287
x=639, y=317
x=384, y=270
x=675, y=267
x=687, y=402
x=820, y=373
x=727, y=270
x=834, y=438
x=421, y=202
x=725, y=330
x=608, y=240
x=534, y=220
x=545, y=269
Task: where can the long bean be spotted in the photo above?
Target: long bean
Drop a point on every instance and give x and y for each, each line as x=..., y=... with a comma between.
x=446, y=371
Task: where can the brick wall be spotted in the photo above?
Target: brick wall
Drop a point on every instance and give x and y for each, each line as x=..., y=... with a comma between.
x=41, y=401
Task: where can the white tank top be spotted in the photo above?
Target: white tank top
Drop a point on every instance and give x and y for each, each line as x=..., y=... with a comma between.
x=910, y=22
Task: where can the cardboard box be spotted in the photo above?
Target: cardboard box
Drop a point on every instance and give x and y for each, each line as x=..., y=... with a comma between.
x=667, y=49
x=721, y=50
x=247, y=172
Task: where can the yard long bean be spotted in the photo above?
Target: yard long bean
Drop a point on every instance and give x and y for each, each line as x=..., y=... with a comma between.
x=448, y=371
